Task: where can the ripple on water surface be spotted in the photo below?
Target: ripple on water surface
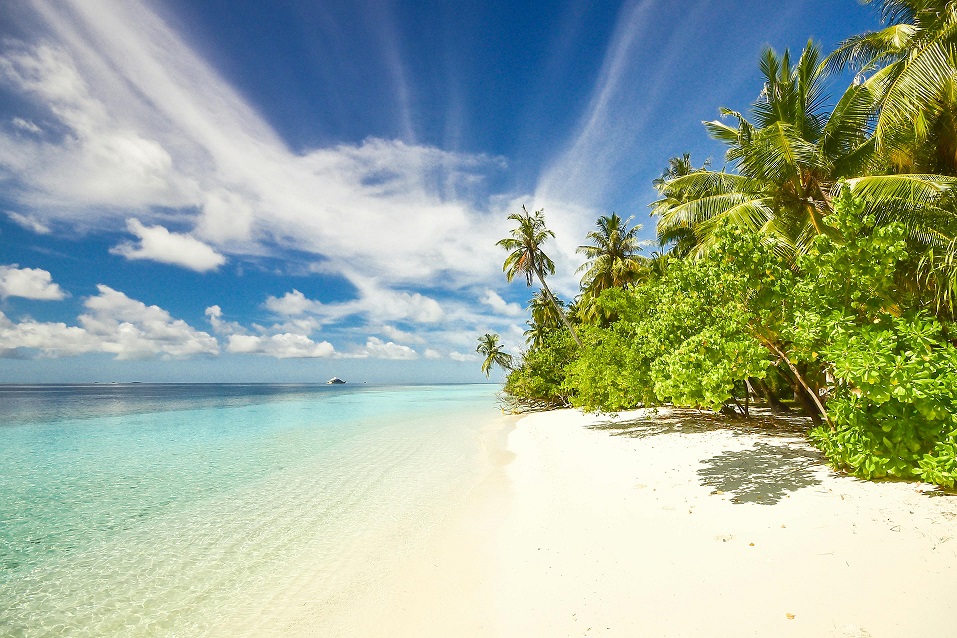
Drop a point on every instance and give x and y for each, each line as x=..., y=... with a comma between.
x=177, y=521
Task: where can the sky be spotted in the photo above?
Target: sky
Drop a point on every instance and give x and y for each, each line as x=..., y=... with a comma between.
x=283, y=191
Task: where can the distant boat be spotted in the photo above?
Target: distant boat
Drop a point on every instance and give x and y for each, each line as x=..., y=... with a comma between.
x=334, y=381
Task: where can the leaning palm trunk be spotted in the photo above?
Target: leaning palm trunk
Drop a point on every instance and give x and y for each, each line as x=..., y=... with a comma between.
x=561, y=313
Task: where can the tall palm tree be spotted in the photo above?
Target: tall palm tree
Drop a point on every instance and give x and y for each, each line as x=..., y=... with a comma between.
x=526, y=256
x=613, y=259
x=791, y=161
x=680, y=237
x=912, y=68
x=491, y=349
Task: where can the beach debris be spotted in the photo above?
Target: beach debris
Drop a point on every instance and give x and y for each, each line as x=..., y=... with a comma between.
x=790, y=616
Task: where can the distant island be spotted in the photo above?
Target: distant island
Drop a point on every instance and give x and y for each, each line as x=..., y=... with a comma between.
x=335, y=381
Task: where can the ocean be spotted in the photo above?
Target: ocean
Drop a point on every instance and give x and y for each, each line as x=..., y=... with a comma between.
x=193, y=510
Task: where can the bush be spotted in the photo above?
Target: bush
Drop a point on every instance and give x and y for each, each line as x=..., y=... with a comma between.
x=539, y=380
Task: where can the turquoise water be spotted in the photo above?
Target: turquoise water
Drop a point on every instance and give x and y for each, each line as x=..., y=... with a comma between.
x=185, y=510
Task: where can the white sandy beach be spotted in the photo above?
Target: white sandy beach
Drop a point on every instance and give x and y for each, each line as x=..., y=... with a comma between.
x=722, y=532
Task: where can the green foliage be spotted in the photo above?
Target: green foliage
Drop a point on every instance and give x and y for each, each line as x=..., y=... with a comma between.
x=685, y=338
x=539, y=380
x=490, y=348
x=895, y=372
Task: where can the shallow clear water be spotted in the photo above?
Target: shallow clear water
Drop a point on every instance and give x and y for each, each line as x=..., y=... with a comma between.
x=174, y=510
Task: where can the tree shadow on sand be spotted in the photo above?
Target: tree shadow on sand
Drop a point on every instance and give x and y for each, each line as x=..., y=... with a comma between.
x=762, y=474
x=688, y=421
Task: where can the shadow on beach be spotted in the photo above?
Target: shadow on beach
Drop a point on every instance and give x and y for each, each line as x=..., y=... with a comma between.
x=763, y=474
x=689, y=421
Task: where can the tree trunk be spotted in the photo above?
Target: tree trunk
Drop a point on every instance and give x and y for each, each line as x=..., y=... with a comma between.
x=764, y=390
x=561, y=313
x=807, y=388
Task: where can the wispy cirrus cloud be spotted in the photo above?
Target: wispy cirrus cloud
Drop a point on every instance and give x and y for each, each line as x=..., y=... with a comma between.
x=29, y=222
x=151, y=129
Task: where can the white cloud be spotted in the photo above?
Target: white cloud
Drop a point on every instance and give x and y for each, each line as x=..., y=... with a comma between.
x=291, y=304
x=458, y=356
x=395, y=334
x=375, y=348
x=30, y=283
x=159, y=244
x=53, y=339
x=281, y=346
x=26, y=125
x=432, y=354
x=29, y=222
x=375, y=303
x=112, y=323
x=214, y=314
x=227, y=216
x=152, y=126
x=493, y=300
x=132, y=330
x=150, y=130
x=300, y=326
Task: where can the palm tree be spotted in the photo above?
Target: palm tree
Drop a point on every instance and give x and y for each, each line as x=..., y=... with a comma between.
x=681, y=238
x=913, y=67
x=491, y=349
x=613, y=260
x=544, y=318
x=527, y=257
x=791, y=162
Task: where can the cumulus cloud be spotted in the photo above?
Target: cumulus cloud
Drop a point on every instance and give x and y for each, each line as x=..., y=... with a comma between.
x=159, y=244
x=281, y=346
x=291, y=304
x=52, y=339
x=132, y=330
x=30, y=283
x=375, y=348
x=113, y=323
x=493, y=300
x=214, y=314
x=468, y=356
x=29, y=222
x=432, y=354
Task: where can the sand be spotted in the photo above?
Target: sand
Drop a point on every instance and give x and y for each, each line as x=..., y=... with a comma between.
x=661, y=529
x=649, y=524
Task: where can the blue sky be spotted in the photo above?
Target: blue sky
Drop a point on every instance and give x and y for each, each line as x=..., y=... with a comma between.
x=236, y=190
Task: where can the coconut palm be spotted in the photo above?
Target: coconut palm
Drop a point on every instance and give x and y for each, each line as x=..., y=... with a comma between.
x=680, y=238
x=543, y=320
x=613, y=259
x=491, y=349
x=526, y=256
x=912, y=67
x=791, y=161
